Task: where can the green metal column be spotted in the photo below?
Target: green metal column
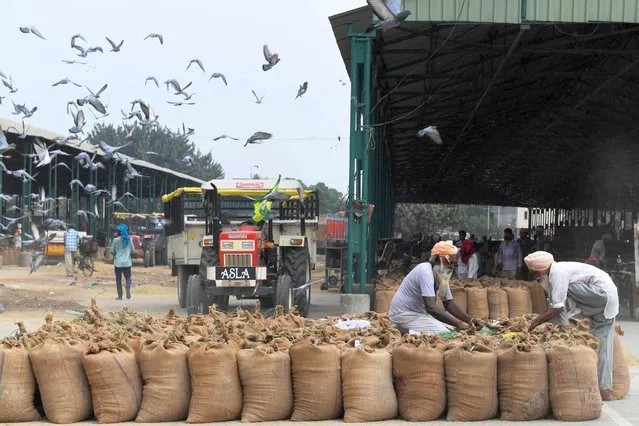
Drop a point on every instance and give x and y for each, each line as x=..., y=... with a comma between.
x=93, y=221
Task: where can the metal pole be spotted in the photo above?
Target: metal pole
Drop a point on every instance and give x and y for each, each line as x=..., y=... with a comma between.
x=368, y=134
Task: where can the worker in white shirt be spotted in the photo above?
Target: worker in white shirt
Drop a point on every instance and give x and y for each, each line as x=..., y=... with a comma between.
x=575, y=288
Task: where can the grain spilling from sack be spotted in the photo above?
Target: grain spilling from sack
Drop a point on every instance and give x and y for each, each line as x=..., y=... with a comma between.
x=116, y=384
x=573, y=383
x=317, y=381
x=215, y=383
x=477, y=300
x=620, y=371
x=63, y=385
x=537, y=297
x=367, y=385
x=266, y=383
x=459, y=296
x=471, y=382
x=17, y=383
x=167, y=383
x=519, y=302
x=522, y=382
x=420, y=383
x=497, y=303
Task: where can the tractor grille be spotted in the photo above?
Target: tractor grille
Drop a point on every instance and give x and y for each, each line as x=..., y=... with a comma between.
x=238, y=259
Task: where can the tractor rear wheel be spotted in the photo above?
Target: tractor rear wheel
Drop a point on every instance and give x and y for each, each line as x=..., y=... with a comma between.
x=282, y=296
x=210, y=257
x=194, y=295
x=147, y=259
x=296, y=264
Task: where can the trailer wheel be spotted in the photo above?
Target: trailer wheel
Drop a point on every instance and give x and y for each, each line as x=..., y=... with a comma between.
x=182, y=284
x=147, y=259
x=194, y=295
x=283, y=294
x=296, y=264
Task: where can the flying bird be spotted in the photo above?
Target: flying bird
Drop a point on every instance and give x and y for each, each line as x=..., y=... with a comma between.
x=219, y=75
x=432, y=133
x=44, y=157
x=67, y=61
x=66, y=80
x=180, y=103
x=258, y=137
x=114, y=47
x=197, y=61
x=109, y=150
x=4, y=144
x=179, y=90
x=75, y=37
x=225, y=137
x=10, y=85
x=158, y=36
x=387, y=19
x=271, y=58
x=343, y=83
x=79, y=122
x=187, y=161
x=32, y=30
x=153, y=79
x=257, y=99
x=302, y=89
x=85, y=52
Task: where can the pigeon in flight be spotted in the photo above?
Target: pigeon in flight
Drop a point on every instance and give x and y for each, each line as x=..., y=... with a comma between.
x=4, y=144
x=187, y=161
x=387, y=18
x=432, y=133
x=271, y=58
x=257, y=99
x=44, y=157
x=225, y=137
x=180, y=103
x=32, y=30
x=114, y=47
x=302, y=89
x=153, y=79
x=197, y=61
x=219, y=75
x=68, y=61
x=78, y=121
x=158, y=36
x=66, y=80
x=342, y=82
x=75, y=37
x=178, y=89
x=109, y=150
x=258, y=137
x=10, y=85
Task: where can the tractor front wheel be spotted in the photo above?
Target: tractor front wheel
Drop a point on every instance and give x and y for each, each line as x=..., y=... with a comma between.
x=283, y=294
x=194, y=295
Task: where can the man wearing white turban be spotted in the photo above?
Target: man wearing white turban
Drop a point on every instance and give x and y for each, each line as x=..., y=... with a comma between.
x=414, y=306
x=594, y=295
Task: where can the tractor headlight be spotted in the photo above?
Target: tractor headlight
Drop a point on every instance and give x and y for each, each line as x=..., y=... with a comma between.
x=227, y=245
x=247, y=245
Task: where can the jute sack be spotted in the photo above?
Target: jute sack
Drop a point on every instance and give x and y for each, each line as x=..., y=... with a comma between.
x=116, y=384
x=167, y=383
x=497, y=303
x=317, y=381
x=538, y=298
x=471, y=382
x=522, y=382
x=17, y=383
x=367, y=385
x=519, y=302
x=266, y=383
x=65, y=391
x=477, y=300
x=620, y=371
x=459, y=297
x=573, y=383
x=215, y=383
x=419, y=382
x=383, y=300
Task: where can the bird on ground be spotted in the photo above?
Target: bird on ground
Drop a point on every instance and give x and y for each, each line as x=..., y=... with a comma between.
x=66, y=80
x=258, y=100
x=387, y=18
x=114, y=47
x=197, y=61
x=432, y=133
x=271, y=58
x=154, y=35
x=258, y=137
x=153, y=79
x=219, y=75
x=302, y=89
x=79, y=122
x=225, y=137
x=32, y=30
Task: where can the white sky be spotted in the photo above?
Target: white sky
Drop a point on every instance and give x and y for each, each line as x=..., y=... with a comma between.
x=228, y=37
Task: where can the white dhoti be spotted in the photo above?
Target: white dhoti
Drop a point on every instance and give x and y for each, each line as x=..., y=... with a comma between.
x=423, y=323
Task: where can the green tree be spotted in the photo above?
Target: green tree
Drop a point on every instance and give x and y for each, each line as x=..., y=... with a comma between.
x=330, y=199
x=161, y=140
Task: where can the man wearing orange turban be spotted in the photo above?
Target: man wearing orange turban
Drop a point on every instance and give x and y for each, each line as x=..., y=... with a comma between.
x=595, y=297
x=414, y=306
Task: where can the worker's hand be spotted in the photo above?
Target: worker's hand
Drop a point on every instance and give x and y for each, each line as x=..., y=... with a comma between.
x=477, y=324
x=462, y=326
x=534, y=324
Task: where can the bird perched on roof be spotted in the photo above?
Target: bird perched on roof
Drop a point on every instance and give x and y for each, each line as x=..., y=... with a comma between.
x=197, y=61
x=302, y=89
x=387, y=18
x=219, y=75
x=154, y=35
x=114, y=47
x=432, y=133
x=32, y=30
x=271, y=58
x=258, y=137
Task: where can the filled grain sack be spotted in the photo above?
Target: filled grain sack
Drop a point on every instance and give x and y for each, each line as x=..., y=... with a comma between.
x=415, y=370
x=215, y=384
x=116, y=384
x=477, y=300
x=471, y=381
x=522, y=382
x=383, y=300
x=537, y=297
x=497, y=303
x=367, y=385
x=63, y=385
x=17, y=383
x=573, y=383
x=620, y=371
x=265, y=374
x=519, y=302
x=459, y=296
x=317, y=381
x=167, y=383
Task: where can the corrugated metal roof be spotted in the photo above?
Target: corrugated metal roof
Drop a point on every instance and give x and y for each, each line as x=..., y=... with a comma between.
x=361, y=19
x=86, y=147
x=583, y=10
x=488, y=11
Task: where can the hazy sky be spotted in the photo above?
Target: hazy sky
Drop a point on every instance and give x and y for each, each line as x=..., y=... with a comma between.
x=228, y=37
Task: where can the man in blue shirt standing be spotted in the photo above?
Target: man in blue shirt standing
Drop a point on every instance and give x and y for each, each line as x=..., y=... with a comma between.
x=121, y=249
x=71, y=241
x=508, y=258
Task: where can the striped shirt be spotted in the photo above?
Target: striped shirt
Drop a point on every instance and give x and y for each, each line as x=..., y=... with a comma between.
x=71, y=239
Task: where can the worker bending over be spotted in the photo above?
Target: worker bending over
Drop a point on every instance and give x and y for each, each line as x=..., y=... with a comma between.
x=414, y=307
x=575, y=288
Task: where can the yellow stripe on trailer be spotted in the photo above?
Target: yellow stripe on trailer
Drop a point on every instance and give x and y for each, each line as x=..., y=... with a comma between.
x=175, y=194
x=236, y=193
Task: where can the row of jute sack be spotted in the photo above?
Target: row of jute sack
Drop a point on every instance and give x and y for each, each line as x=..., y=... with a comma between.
x=321, y=373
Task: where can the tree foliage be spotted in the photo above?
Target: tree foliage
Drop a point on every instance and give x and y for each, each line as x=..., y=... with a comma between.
x=162, y=140
x=330, y=199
